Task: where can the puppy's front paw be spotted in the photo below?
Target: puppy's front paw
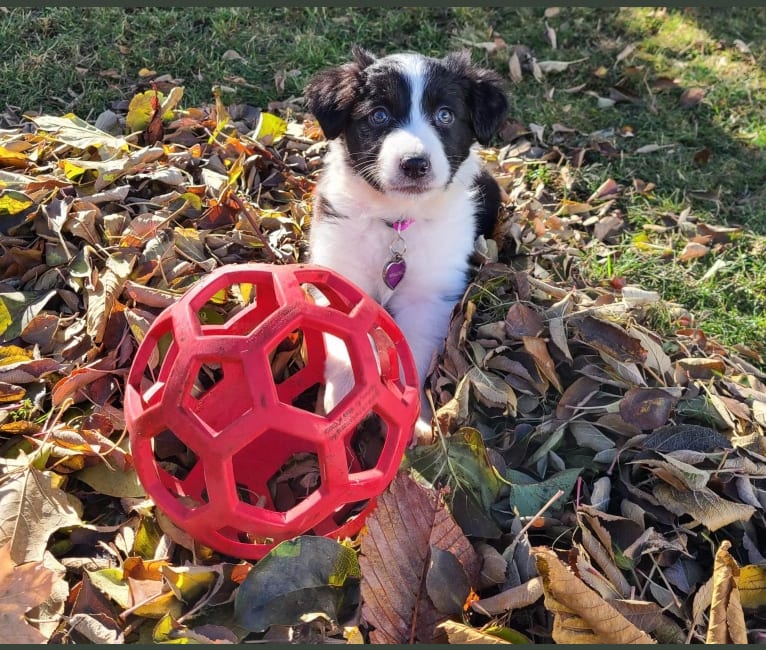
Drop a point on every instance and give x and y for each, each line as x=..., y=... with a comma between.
x=423, y=433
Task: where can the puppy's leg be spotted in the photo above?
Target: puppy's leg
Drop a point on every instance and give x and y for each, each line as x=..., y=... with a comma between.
x=339, y=377
x=424, y=324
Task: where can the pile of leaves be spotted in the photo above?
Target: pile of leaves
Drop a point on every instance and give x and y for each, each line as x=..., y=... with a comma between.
x=592, y=481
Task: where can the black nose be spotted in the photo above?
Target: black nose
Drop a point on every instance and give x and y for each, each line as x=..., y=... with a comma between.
x=415, y=167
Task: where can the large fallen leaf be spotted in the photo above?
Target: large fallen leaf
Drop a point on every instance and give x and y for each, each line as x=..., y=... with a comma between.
x=647, y=408
x=690, y=437
x=538, y=348
x=395, y=558
x=521, y=320
x=727, y=620
x=22, y=587
x=302, y=576
x=78, y=133
x=31, y=510
x=580, y=614
x=462, y=464
x=610, y=339
x=703, y=505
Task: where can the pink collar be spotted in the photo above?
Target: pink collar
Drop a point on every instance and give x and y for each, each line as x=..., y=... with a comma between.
x=402, y=224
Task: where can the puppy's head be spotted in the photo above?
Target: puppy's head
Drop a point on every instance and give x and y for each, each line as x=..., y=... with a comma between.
x=407, y=121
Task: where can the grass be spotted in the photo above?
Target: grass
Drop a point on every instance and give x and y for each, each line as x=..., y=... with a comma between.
x=56, y=60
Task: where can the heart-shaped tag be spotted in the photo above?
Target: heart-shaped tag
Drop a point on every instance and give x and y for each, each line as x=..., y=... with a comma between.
x=393, y=272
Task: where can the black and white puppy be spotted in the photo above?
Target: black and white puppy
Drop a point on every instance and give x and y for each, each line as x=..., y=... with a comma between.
x=403, y=194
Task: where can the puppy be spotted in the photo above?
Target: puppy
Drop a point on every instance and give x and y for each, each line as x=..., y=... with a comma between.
x=403, y=195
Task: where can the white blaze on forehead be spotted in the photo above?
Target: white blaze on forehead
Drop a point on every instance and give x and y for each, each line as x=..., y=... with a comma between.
x=417, y=137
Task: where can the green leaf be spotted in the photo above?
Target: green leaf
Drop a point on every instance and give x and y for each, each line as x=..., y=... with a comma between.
x=465, y=467
x=529, y=499
x=305, y=575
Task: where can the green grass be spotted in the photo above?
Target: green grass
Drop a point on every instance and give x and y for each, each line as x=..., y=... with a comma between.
x=56, y=60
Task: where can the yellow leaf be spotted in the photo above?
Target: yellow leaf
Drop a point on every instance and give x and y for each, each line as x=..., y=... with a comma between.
x=72, y=170
x=10, y=354
x=458, y=633
x=270, y=128
x=573, y=207
x=752, y=585
x=162, y=604
x=8, y=157
x=12, y=202
x=140, y=110
x=193, y=200
x=191, y=582
x=6, y=320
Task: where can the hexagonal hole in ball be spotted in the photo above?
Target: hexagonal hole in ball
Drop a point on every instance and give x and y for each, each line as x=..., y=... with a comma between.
x=158, y=364
x=276, y=471
x=297, y=373
x=297, y=478
x=211, y=396
x=180, y=468
x=237, y=308
x=366, y=443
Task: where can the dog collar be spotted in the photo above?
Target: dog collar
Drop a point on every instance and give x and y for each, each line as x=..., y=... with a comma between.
x=394, y=270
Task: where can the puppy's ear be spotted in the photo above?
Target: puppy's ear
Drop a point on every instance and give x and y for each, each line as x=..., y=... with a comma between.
x=361, y=56
x=487, y=100
x=330, y=94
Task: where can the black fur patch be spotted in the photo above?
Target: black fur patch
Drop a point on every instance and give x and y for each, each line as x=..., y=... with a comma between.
x=324, y=210
x=487, y=203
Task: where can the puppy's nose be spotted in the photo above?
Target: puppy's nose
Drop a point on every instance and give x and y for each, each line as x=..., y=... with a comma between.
x=415, y=167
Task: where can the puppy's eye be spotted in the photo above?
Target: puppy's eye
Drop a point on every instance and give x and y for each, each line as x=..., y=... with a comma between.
x=379, y=117
x=445, y=116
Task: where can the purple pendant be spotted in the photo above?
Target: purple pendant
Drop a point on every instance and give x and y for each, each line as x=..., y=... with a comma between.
x=393, y=272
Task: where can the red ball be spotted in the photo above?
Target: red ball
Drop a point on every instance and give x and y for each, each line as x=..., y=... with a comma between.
x=220, y=407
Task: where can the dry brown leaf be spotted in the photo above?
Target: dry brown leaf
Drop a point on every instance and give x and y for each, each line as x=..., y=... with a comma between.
x=514, y=68
x=647, y=408
x=539, y=351
x=610, y=339
x=719, y=234
x=727, y=620
x=521, y=320
x=704, y=506
x=395, y=556
x=581, y=615
x=575, y=396
x=691, y=97
x=514, y=598
x=693, y=251
x=22, y=587
x=599, y=554
x=608, y=189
